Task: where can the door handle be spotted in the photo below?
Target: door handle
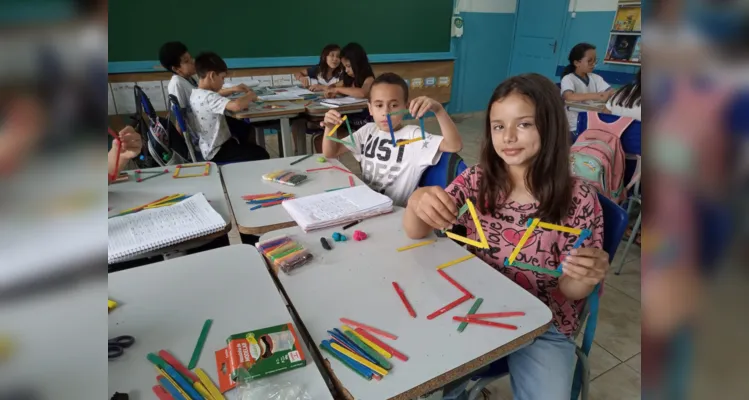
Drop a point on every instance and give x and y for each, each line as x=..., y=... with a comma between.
x=554, y=45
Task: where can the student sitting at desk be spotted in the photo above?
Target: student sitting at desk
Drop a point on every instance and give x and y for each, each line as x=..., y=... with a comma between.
x=395, y=170
x=207, y=117
x=524, y=173
x=356, y=81
x=627, y=101
x=579, y=83
x=326, y=73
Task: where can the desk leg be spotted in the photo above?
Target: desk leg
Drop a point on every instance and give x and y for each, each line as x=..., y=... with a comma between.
x=287, y=145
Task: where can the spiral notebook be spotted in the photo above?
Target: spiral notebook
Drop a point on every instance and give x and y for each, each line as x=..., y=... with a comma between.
x=338, y=207
x=153, y=229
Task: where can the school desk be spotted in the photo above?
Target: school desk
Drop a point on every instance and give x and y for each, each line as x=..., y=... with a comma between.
x=245, y=178
x=582, y=106
x=125, y=195
x=282, y=111
x=316, y=109
x=164, y=308
x=354, y=280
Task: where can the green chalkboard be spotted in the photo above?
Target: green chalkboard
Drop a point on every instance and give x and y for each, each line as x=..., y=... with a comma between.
x=276, y=28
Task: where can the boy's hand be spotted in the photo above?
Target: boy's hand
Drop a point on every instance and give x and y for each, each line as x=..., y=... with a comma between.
x=251, y=95
x=423, y=104
x=332, y=118
x=587, y=265
x=241, y=88
x=435, y=207
x=130, y=144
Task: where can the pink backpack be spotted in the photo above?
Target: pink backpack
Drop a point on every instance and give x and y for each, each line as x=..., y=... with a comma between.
x=597, y=156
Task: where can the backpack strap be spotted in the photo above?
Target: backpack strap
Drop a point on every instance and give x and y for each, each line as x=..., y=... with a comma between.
x=638, y=172
x=617, y=127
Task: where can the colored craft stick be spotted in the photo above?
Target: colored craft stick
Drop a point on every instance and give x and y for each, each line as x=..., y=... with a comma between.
x=303, y=158
x=369, y=328
x=456, y=261
x=319, y=169
x=270, y=197
x=474, y=308
x=171, y=387
x=421, y=125
x=415, y=245
x=384, y=353
x=403, y=111
x=483, y=243
x=460, y=212
x=335, y=339
x=257, y=196
x=402, y=295
x=584, y=234
x=455, y=283
x=351, y=181
x=172, y=380
x=517, y=264
x=409, y=141
x=183, y=383
x=366, y=374
x=350, y=345
x=499, y=314
x=161, y=393
x=199, y=346
x=381, y=344
x=286, y=253
x=206, y=381
x=266, y=200
x=348, y=126
x=374, y=367
x=342, y=169
x=484, y=322
x=272, y=242
x=449, y=307
x=273, y=203
x=526, y=235
x=555, y=227
x=166, y=356
x=390, y=126
x=282, y=249
x=334, y=189
x=379, y=360
x=335, y=128
x=153, y=175
x=345, y=143
x=200, y=389
x=256, y=207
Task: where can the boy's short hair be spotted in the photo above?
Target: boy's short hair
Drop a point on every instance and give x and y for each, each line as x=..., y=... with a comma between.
x=170, y=55
x=209, y=62
x=391, y=79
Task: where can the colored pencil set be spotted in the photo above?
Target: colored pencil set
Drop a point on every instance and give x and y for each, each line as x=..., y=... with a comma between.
x=266, y=200
x=284, y=252
x=356, y=346
x=178, y=383
x=285, y=177
x=162, y=202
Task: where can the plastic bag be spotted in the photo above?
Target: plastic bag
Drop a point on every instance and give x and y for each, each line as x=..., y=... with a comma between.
x=265, y=389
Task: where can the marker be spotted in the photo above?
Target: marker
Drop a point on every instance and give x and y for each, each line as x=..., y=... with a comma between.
x=390, y=126
x=381, y=344
x=402, y=295
x=449, y=307
x=369, y=328
x=302, y=159
x=471, y=312
x=486, y=323
x=456, y=284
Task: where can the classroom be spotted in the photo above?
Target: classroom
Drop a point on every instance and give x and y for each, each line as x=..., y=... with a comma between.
x=486, y=152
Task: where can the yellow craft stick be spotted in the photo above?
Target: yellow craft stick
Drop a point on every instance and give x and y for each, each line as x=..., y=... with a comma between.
x=546, y=225
x=369, y=343
x=523, y=239
x=415, y=245
x=466, y=240
x=202, y=390
x=335, y=128
x=360, y=360
x=409, y=141
x=206, y=381
x=168, y=378
x=479, y=229
x=273, y=197
x=456, y=261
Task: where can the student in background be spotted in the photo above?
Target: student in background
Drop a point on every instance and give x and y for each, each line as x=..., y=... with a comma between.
x=579, y=83
x=395, y=170
x=207, y=116
x=627, y=100
x=130, y=145
x=326, y=73
x=357, y=80
x=524, y=173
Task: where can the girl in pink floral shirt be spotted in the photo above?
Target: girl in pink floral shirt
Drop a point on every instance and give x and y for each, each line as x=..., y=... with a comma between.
x=524, y=173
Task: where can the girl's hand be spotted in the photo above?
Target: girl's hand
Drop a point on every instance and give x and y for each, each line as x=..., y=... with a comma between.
x=304, y=81
x=317, y=88
x=330, y=92
x=587, y=265
x=423, y=104
x=332, y=118
x=436, y=208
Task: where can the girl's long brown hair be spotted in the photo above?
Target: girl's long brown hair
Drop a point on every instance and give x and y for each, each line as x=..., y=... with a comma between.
x=548, y=178
x=324, y=68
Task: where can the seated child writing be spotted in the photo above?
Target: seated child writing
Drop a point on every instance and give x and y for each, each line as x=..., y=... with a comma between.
x=219, y=140
x=394, y=170
x=524, y=173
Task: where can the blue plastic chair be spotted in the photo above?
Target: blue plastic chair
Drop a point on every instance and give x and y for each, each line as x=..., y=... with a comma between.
x=442, y=174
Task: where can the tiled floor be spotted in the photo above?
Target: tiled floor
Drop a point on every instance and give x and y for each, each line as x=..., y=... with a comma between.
x=615, y=356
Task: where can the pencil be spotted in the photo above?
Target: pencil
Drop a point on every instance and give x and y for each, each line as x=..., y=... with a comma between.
x=486, y=323
x=449, y=307
x=302, y=159
x=369, y=328
x=402, y=295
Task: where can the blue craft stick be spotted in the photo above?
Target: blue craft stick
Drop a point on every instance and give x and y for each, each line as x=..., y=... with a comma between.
x=339, y=336
x=183, y=384
x=579, y=242
x=390, y=126
x=256, y=207
x=421, y=125
x=351, y=363
x=266, y=200
x=171, y=389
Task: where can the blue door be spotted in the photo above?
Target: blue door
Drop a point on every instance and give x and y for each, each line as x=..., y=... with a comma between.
x=538, y=36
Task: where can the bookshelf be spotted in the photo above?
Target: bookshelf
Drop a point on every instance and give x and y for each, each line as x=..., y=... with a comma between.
x=625, y=36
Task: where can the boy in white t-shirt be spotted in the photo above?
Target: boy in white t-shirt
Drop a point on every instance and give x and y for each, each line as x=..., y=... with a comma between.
x=394, y=171
x=579, y=83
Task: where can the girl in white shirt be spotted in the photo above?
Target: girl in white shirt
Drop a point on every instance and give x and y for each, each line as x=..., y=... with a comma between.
x=626, y=102
x=579, y=83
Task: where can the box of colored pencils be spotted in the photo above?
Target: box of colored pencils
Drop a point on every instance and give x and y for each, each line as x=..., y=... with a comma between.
x=285, y=177
x=284, y=253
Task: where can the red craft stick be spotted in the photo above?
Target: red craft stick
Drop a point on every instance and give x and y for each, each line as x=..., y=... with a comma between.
x=161, y=393
x=341, y=169
x=404, y=299
x=178, y=366
x=272, y=203
x=255, y=196
x=384, y=346
x=351, y=181
x=456, y=284
x=319, y=169
x=449, y=307
x=484, y=322
x=369, y=328
x=499, y=314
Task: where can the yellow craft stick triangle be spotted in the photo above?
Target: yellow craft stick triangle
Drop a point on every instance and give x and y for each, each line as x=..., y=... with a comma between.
x=483, y=244
x=523, y=239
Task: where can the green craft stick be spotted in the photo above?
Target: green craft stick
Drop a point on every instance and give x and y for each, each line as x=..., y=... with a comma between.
x=338, y=140
x=551, y=272
x=156, y=360
x=474, y=308
x=334, y=189
x=199, y=346
x=286, y=253
x=399, y=112
x=334, y=355
x=370, y=351
x=460, y=213
x=348, y=126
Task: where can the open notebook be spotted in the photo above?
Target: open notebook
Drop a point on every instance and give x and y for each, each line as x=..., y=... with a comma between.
x=338, y=207
x=156, y=228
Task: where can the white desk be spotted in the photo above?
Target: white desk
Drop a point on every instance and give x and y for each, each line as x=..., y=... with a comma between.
x=354, y=280
x=132, y=194
x=583, y=106
x=164, y=307
x=246, y=178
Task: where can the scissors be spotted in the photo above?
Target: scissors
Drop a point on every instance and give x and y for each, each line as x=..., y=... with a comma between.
x=118, y=345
